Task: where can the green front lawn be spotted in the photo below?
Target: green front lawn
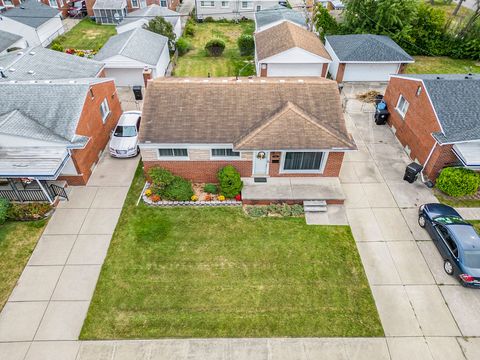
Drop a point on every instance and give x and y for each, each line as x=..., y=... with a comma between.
x=17, y=241
x=86, y=35
x=214, y=272
x=442, y=65
x=196, y=63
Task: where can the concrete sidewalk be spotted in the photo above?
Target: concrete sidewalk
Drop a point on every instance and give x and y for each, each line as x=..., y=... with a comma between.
x=52, y=296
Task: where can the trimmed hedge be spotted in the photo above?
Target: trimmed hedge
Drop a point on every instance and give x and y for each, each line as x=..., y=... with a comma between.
x=458, y=181
x=4, y=206
x=183, y=46
x=210, y=188
x=246, y=44
x=215, y=47
x=230, y=182
x=168, y=186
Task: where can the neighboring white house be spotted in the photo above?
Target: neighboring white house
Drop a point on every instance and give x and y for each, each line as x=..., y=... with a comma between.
x=109, y=11
x=265, y=19
x=365, y=57
x=138, y=18
x=233, y=9
x=9, y=41
x=128, y=54
x=290, y=50
x=37, y=23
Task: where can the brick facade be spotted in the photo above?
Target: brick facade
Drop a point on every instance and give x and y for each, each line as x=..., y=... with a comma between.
x=91, y=125
x=205, y=171
x=415, y=129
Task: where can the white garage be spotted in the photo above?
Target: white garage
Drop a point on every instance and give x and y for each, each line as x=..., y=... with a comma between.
x=288, y=49
x=128, y=54
x=365, y=57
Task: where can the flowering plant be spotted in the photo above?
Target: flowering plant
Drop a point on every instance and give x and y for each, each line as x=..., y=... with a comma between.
x=221, y=198
x=148, y=192
x=155, y=198
x=194, y=198
x=238, y=197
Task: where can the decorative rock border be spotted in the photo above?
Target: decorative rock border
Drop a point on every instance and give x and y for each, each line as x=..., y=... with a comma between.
x=165, y=203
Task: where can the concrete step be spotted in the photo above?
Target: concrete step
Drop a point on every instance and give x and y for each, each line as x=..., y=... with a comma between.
x=315, y=208
x=314, y=203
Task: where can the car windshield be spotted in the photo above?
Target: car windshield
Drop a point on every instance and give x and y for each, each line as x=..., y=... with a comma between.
x=472, y=258
x=449, y=220
x=125, y=131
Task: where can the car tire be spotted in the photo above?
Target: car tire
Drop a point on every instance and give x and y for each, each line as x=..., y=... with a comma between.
x=448, y=267
x=422, y=221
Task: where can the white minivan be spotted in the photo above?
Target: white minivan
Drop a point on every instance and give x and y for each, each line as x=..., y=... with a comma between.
x=124, y=140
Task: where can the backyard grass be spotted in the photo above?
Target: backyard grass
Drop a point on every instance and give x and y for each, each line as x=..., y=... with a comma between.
x=442, y=65
x=17, y=241
x=196, y=63
x=214, y=272
x=86, y=35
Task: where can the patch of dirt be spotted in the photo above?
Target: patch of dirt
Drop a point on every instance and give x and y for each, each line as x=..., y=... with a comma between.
x=92, y=33
x=368, y=97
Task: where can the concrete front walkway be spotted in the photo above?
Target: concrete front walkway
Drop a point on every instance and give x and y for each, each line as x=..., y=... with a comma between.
x=52, y=296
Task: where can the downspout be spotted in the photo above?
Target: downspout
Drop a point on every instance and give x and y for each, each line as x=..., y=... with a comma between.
x=426, y=161
x=44, y=190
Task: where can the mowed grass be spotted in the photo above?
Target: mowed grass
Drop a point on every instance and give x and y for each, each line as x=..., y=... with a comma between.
x=442, y=65
x=17, y=241
x=214, y=272
x=86, y=35
x=197, y=63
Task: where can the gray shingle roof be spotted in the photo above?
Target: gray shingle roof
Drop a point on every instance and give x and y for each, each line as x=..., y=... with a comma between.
x=367, y=47
x=31, y=13
x=110, y=4
x=279, y=13
x=457, y=102
x=48, y=117
x=137, y=44
x=7, y=39
x=149, y=13
x=47, y=64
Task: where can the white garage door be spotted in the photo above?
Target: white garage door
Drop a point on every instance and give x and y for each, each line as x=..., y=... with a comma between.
x=294, y=69
x=126, y=77
x=369, y=72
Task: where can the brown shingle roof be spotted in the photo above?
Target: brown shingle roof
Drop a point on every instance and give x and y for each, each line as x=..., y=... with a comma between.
x=266, y=114
x=284, y=36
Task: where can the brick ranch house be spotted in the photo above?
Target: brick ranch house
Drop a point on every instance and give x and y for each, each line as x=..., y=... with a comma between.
x=267, y=128
x=47, y=138
x=436, y=118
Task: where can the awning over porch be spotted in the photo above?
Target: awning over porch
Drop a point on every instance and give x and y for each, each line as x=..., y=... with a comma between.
x=42, y=163
x=468, y=153
x=293, y=189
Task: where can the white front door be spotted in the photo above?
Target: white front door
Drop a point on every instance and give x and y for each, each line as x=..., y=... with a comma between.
x=260, y=163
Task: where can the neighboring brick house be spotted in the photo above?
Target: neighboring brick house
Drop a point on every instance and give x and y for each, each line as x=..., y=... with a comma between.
x=266, y=128
x=288, y=49
x=48, y=138
x=106, y=8
x=437, y=119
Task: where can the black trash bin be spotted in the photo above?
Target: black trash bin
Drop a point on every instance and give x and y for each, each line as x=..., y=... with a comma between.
x=381, y=116
x=378, y=99
x=137, y=92
x=412, y=171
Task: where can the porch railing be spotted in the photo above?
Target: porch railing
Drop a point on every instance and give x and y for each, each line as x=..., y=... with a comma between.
x=23, y=195
x=58, y=191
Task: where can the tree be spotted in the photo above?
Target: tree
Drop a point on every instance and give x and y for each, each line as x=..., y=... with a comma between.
x=246, y=44
x=161, y=26
x=215, y=47
x=457, y=8
x=324, y=22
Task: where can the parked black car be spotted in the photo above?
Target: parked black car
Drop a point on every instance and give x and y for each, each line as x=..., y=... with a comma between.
x=456, y=240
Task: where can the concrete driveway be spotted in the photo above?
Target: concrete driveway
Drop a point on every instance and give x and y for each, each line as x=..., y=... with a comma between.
x=416, y=300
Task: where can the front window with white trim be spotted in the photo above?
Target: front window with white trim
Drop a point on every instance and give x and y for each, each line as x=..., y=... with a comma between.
x=207, y=4
x=402, y=106
x=53, y=3
x=163, y=3
x=104, y=110
x=225, y=4
x=174, y=153
x=247, y=5
x=300, y=162
x=8, y=3
x=135, y=3
x=224, y=153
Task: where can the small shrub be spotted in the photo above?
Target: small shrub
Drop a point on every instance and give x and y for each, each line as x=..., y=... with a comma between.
x=4, y=206
x=458, y=181
x=215, y=47
x=178, y=190
x=296, y=210
x=209, y=19
x=28, y=211
x=160, y=177
x=183, y=46
x=189, y=29
x=256, y=211
x=57, y=47
x=230, y=182
x=246, y=44
x=210, y=188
